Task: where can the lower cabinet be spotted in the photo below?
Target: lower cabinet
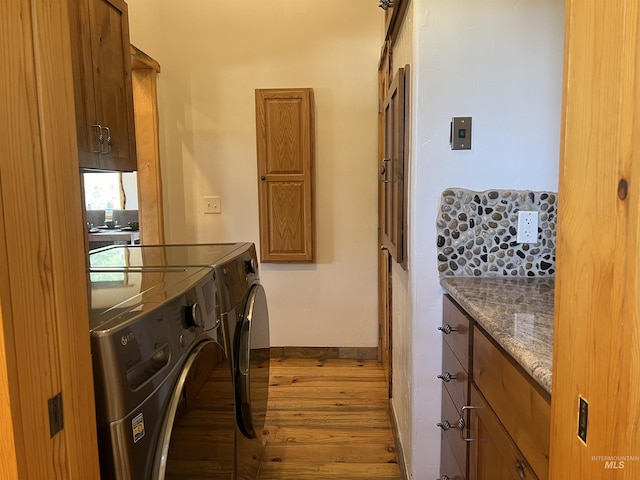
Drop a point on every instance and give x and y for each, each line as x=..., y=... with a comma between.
x=495, y=418
x=492, y=454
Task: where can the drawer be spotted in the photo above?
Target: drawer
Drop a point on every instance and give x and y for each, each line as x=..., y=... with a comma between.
x=460, y=337
x=521, y=405
x=448, y=464
x=457, y=387
x=452, y=436
x=492, y=453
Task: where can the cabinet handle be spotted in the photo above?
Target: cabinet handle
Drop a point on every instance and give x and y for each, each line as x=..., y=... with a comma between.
x=447, y=329
x=446, y=377
x=100, y=138
x=444, y=425
x=520, y=467
x=443, y=477
x=383, y=170
x=462, y=424
x=109, y=142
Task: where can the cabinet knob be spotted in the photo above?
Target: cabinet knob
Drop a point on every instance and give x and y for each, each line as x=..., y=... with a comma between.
x=447, y=329
x=446, y=377
x=520, y=468
x=263, y=178
x=444, y=425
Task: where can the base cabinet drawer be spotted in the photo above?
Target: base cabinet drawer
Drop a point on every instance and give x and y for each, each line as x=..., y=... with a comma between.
x=518, y=403
x=457, y=331
x=493, y=455
x=449, y=468
x=454, y=377
x=451, y=431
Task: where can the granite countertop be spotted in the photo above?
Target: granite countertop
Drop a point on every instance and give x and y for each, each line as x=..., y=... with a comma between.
x=517, y=312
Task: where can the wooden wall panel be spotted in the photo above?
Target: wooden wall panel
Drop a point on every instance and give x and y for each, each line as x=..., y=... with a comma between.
x=597, y=306
x=42, y=281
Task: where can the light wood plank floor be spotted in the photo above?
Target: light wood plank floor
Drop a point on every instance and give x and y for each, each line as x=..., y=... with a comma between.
x=328, y=419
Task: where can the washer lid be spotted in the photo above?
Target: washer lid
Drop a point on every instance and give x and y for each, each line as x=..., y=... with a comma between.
x=153, y=257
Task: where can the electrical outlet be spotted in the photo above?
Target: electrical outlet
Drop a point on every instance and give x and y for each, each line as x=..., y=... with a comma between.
x=527, y=227
x=212, y=205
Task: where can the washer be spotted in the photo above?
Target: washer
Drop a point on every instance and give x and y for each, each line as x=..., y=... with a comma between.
x=218, y=357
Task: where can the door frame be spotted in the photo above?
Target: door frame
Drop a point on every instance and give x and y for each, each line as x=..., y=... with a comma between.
x=385, y=74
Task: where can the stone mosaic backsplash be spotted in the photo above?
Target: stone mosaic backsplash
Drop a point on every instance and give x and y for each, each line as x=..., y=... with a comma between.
x=476, y=233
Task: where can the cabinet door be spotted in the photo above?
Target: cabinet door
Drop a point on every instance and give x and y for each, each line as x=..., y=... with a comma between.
x=285, y=141
x=493, y=455
x=102, y=84
x=393, y=215
x=113, y=91
x=85, y=105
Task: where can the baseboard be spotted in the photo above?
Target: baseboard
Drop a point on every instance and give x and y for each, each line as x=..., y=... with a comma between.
x=324, y=353
x=399, y=451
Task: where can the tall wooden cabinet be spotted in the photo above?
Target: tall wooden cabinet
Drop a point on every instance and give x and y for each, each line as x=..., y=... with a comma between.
x=102, y=84
x=286, y=147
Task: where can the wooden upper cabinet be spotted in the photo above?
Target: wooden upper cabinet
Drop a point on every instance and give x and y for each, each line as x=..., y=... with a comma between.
x=102, y=84
x=285, y=141
x=393, y=214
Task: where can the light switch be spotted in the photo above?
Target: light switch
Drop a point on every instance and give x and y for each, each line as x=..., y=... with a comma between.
x=460, y=135
x=212, y=205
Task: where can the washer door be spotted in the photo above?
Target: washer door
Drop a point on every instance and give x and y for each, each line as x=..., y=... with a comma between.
x=197, y=436
x=253, y=364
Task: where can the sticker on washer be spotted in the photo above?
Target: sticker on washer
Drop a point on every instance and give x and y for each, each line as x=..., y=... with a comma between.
x=137, y=424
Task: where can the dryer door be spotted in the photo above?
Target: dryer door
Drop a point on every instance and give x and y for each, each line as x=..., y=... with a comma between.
x=197, y=436
x=253, y=364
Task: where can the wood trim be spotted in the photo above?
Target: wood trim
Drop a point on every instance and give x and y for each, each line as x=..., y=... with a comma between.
x=404, y=218
x=324, y=353
x=597, y=296
x=402, y=463
x=42, y=282
x=140, y=60
x=150, y=203
x=395, y=22
x=11, y=441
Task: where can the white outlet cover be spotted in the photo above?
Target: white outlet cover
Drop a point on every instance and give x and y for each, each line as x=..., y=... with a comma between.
x=527, y=227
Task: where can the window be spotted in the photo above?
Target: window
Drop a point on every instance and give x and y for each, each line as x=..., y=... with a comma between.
x=111, y=190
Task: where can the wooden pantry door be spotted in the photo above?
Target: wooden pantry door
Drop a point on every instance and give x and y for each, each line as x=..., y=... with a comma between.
x=285, y=141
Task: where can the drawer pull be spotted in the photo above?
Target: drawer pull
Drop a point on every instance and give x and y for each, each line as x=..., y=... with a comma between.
x=520, y=468
x=444, y=425
x=461, y=422
x=446, y=377
x=447, y=329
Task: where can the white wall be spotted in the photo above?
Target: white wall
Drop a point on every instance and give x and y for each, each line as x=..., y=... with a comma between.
x=499, y=61
x=214, y=54
x=402, y=348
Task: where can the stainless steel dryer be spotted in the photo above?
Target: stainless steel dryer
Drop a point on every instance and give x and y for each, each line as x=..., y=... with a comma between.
x=243, y=305
x=240, y=305
x=161, y=369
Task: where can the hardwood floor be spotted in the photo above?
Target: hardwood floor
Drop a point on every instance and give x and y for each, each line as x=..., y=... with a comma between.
x=328, y=419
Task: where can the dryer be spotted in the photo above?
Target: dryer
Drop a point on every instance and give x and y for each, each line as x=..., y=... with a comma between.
x=212, y=296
